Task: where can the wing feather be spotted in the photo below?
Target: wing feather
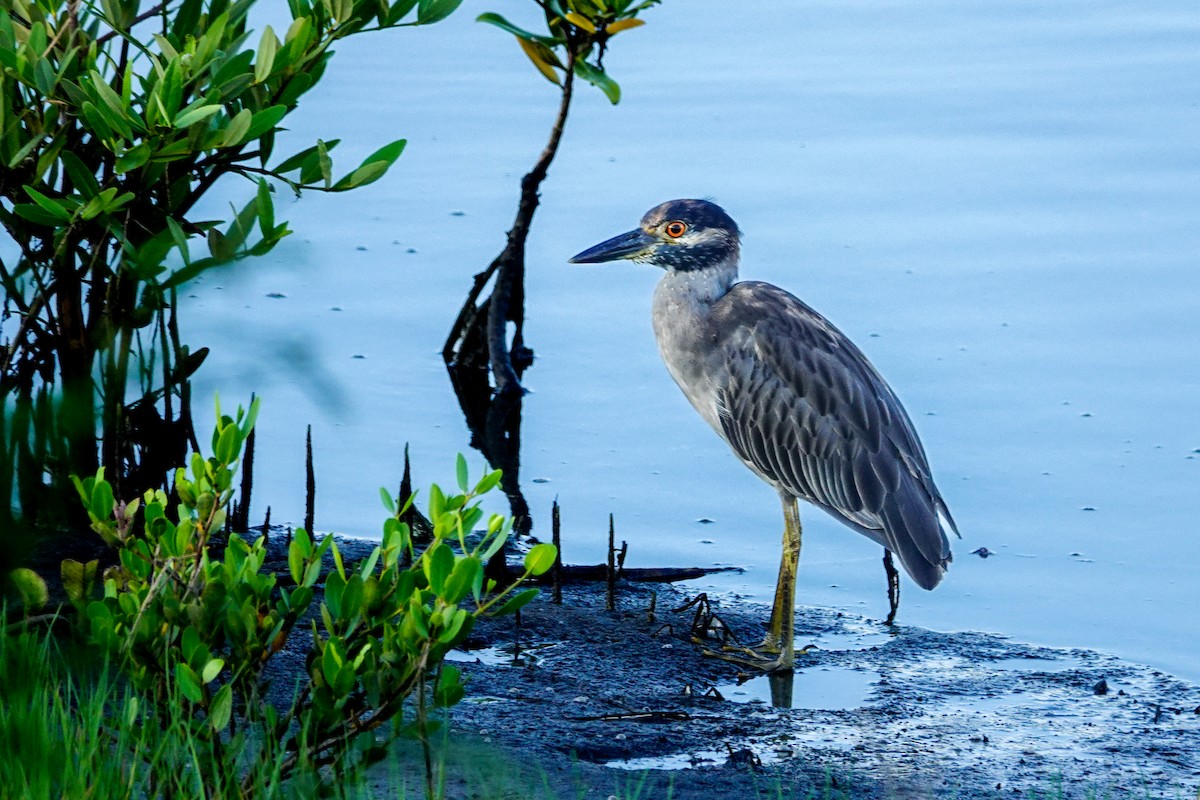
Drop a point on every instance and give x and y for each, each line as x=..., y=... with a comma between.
x=802, y=406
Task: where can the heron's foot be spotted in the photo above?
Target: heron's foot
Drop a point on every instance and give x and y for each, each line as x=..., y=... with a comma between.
x=767, y=657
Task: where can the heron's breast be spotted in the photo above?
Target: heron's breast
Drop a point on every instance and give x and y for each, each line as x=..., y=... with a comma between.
x=686, y=342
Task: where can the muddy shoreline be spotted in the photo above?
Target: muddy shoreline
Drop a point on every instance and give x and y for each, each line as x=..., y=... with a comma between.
x=592, y=698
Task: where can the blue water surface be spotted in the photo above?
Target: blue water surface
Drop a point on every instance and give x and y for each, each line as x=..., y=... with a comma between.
x=999, y=202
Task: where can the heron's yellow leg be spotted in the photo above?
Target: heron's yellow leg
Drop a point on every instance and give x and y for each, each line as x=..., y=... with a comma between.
x=781, y=633
x=778, y=650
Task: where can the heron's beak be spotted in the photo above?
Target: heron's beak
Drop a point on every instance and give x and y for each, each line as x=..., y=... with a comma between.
x=627, y=245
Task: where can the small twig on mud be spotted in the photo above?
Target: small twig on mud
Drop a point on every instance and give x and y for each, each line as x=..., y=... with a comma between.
x=240, y=520
x=310, y=483
x=556, y=534
x=610, y=602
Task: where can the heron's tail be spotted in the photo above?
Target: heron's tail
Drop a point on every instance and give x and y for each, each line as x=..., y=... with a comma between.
x=912, y=523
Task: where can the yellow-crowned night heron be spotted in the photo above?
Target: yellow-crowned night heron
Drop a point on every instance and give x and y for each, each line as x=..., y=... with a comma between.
x=797, y=402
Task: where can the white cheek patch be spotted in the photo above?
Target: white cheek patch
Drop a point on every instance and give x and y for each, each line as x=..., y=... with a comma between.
x=708, y=236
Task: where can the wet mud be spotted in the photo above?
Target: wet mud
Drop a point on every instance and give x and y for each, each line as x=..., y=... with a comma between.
x=591, y=701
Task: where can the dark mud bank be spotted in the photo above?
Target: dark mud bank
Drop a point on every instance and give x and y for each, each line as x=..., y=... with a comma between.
x=591, y=697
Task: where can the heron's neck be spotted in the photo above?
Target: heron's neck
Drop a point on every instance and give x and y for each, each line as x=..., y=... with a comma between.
x=682, y=318
x=701, y=287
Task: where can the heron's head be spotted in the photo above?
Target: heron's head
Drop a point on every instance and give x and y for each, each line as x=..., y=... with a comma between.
x=679, y=235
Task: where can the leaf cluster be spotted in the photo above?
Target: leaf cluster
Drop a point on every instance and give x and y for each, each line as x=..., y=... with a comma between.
x=116, y=118
x=186, y=619
x=577, y=34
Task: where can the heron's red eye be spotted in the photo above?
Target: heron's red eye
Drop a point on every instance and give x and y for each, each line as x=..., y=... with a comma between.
x=675, y=229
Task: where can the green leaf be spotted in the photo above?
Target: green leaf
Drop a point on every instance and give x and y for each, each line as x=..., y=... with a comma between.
x=504, y=25
x=102, y=503
x=395, y=533
x=335, y=585
x=439, y=562
x=467, y=573
x=295, y=87
x=405, y=586
x=460, y=469
x=600, y=80
x=373, y=166
x=30, y=587
x=368, y=173
x=297, y=161
x=237, y=129
x=437, y=502
x=494, y=546
x=193, y=649
x=96, y=205
x=325, y=163
x=228, y=445
x=489, y=482
x=51, y=206
x=352, y=597
x=300, y=599
x=337, y=560
x=218, y=246
x=312, y=573
x=266, y=210
x=398, y=11
x=211, y=670
x=388, y=502
x=96, y=121
x=333, y=658
x=78, y=579
x=83, y=179
x=35, y=213
x=222, y=708
x=119, y=115
x=193, y=114
x=188, y=681
x=389, y=152
x=516, y=602
x=180, y=239
x=171, y=89
x=367, y=565
x=540, y=558
x=247, y=424
x=341, y=9
x=454, y=620
x=430, y=11
x=296, y=562
x=268, y=45
x=449, y=688
x=234, y=76
x=133, y=158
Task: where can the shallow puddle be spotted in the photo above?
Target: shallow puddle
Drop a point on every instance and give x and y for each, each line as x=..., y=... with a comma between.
x=508, y=655
x=823, y=689
x=700, y=758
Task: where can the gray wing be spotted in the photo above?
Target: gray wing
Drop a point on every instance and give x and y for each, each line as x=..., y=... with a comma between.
x=803, y=406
